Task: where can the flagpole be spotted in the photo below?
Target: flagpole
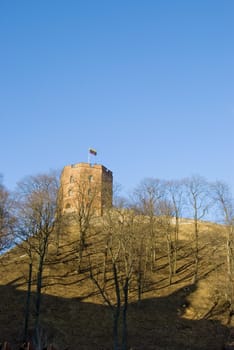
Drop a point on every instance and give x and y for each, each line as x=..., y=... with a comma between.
x=93, y=152
x=89, y=155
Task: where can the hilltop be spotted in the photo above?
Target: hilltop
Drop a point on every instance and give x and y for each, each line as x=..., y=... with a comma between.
x=180, y=315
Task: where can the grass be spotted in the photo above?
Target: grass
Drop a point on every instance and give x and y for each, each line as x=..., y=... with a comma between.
x=177, y=316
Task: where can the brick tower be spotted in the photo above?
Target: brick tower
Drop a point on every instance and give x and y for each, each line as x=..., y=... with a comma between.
x=86, y=186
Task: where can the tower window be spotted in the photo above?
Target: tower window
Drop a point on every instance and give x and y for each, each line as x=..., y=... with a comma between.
x=71, y=179
x=90, y=178
x=70, y=192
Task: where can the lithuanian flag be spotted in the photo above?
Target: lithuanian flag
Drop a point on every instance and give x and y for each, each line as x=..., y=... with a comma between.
x=93, y=151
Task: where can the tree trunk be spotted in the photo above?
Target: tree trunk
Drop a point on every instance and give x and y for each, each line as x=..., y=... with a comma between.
x=125, y=308
x=176, y=239
x=117, y=311
x=196, y=251
x=169, y=254
x=38, y=304
x=81, y=248
x=230, y=291
x=27, y=307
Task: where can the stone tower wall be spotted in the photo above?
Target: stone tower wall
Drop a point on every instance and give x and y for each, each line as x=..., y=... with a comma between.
x=86, y=184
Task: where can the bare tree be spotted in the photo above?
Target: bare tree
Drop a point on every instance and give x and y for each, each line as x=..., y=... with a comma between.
x=223, y=198
x=198, y=198
x=83, y=202
x=166, y=228
x=7, y=218
x=146, y=199
x=118, y=200
x=147, y=195
x=176, y=197
x=37, y=207
x=142, y=256
x=116, y=273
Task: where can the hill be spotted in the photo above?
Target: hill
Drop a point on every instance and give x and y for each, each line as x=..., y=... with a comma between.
x=177, y=315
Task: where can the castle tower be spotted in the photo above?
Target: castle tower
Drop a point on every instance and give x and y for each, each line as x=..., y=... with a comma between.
x=85, y=186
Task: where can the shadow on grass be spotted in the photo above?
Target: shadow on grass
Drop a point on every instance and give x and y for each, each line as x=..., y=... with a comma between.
x=155, y=323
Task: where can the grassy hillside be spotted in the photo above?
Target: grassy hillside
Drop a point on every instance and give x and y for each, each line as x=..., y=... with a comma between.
x=177, y=316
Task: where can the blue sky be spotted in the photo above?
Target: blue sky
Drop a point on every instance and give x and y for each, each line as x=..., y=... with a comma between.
x=148, y=84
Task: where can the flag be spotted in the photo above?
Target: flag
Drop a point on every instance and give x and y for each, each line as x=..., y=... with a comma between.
x=93, y=151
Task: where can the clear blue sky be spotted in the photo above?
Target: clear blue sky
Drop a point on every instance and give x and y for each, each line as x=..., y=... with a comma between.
x=148, y=84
